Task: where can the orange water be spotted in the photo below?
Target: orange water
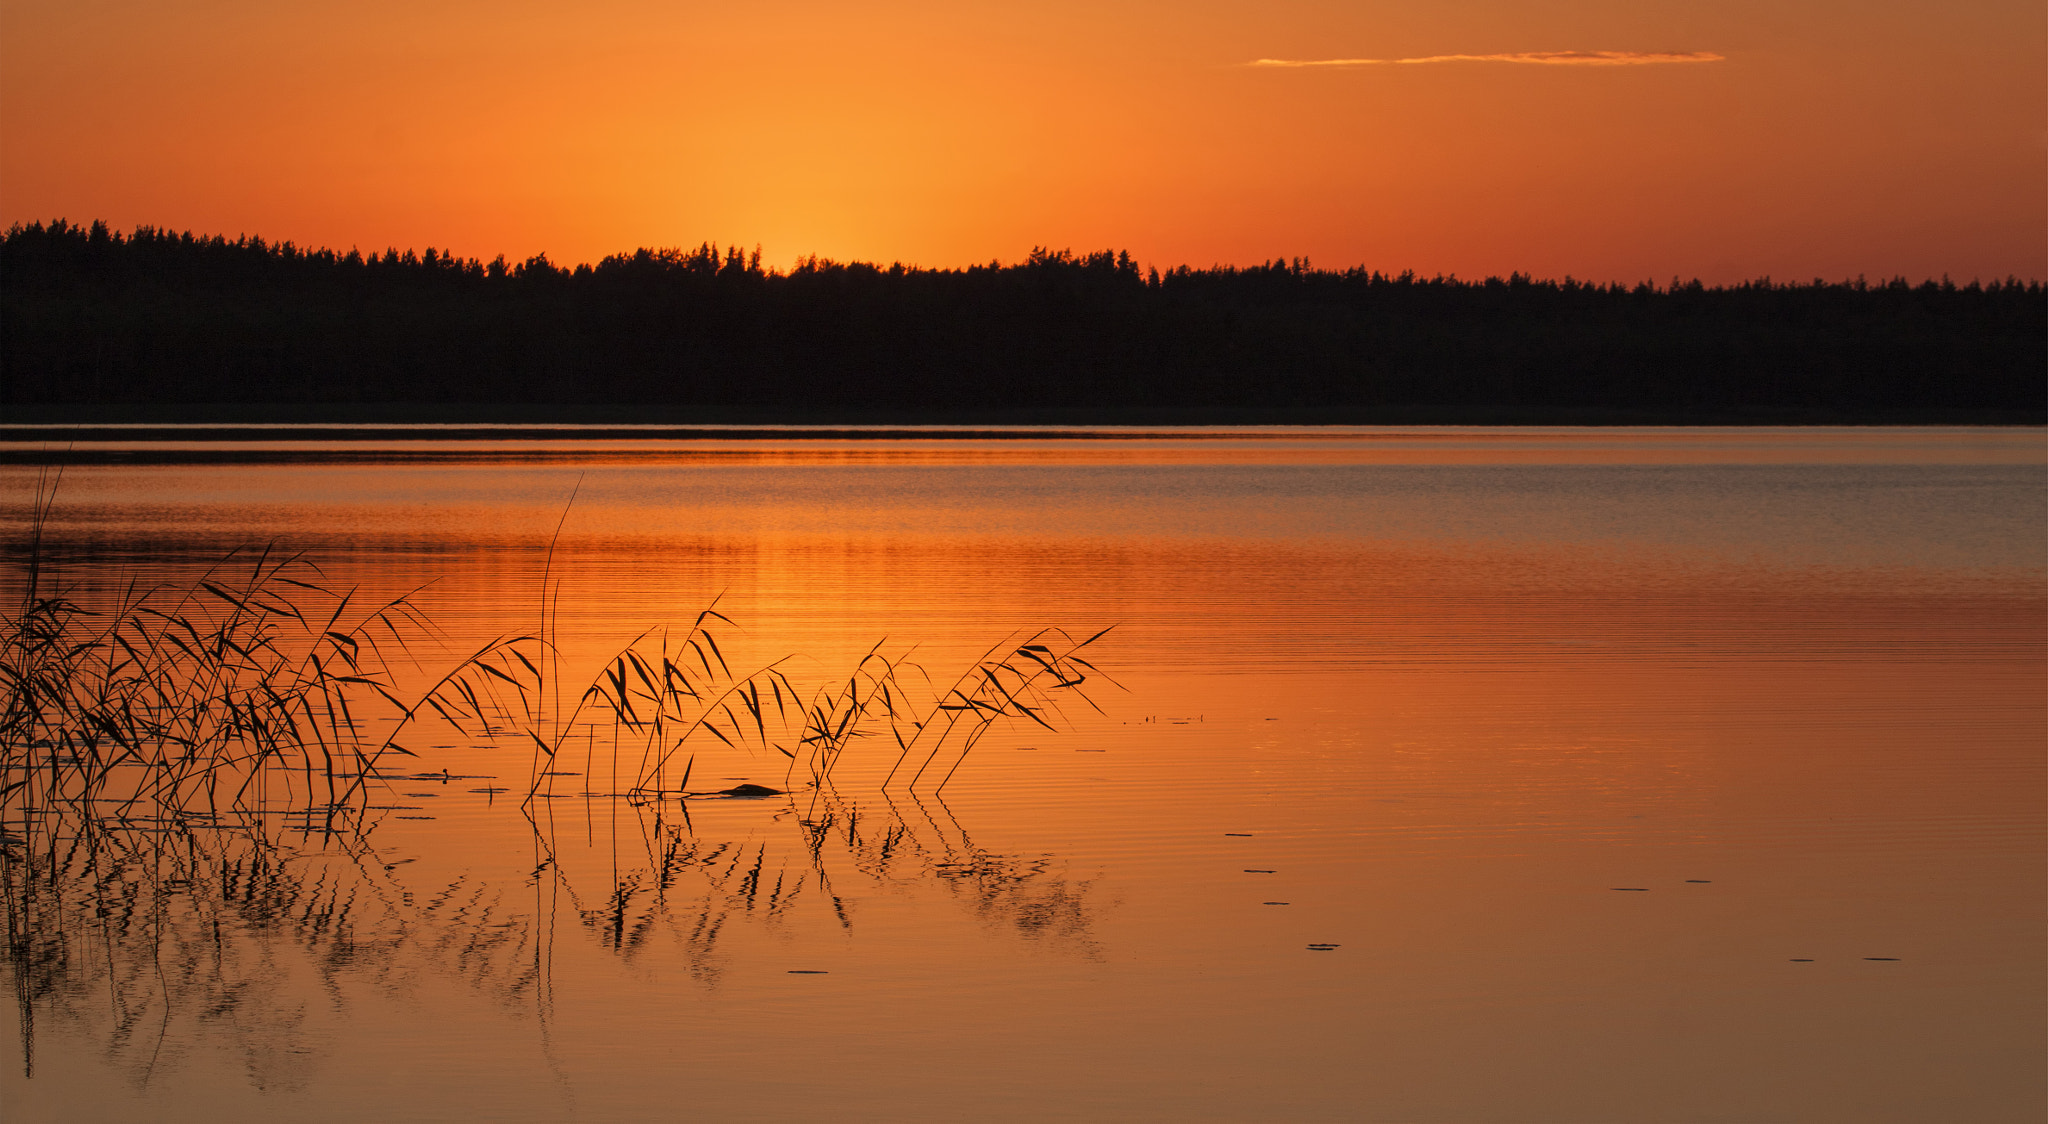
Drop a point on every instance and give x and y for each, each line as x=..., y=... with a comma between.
x=1450, y=688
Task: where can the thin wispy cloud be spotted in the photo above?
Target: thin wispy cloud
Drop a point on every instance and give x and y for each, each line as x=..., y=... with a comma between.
x=1530, y=58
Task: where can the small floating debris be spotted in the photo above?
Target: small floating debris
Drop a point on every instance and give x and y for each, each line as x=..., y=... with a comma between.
x=808, y=972
x=1321, y=947
x=1276, y=903
x=1802, y=960
x=750, y=790
x=1699, y=881
x=1893, y=958
x=1249, y=870
x=1632, y=889
x=1239, y=834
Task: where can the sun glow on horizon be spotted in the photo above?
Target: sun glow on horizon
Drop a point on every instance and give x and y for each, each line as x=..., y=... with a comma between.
x=1828, y=141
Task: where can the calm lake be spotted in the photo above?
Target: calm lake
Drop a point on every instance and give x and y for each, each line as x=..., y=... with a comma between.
x=1438, y=775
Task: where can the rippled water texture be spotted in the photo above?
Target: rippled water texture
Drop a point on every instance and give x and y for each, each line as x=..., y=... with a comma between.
x=1454, y=776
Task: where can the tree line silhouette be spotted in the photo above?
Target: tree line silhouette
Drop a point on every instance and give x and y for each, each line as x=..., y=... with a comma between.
x=89, y=315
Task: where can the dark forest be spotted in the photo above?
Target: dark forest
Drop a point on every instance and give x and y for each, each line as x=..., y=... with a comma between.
x=93, y=317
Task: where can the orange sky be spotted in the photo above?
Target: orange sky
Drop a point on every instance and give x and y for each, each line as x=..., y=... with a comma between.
x=1828, y=139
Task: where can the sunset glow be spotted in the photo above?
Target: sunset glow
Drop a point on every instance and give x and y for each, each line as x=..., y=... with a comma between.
x=1602, y=140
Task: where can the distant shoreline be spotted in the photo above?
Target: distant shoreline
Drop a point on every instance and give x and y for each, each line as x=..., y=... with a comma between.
x=157, y=328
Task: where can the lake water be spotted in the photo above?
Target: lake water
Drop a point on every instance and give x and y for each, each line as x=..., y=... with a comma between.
x=1447, y=775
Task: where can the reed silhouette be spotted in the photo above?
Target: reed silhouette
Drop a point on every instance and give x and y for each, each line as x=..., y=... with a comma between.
x=254, y=683
x=237, y=690
x=95, y=317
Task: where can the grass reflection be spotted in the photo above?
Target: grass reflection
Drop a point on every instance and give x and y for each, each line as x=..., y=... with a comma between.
x=253, y=934
x=817, y=855
x=232, y=933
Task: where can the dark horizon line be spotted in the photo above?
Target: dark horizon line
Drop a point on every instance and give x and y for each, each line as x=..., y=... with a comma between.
x=99, y=230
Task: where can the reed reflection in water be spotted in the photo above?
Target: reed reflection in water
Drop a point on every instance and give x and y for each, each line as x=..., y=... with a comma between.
x=252, y=932
x=150, y=939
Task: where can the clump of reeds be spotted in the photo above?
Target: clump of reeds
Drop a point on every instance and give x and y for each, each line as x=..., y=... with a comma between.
x=261, y=674
x=205, y=696
x=660, y=693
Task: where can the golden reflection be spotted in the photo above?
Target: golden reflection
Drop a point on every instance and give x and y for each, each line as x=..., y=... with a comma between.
x=1440, y=712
